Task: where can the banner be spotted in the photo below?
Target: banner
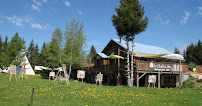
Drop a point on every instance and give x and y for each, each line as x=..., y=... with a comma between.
x=164, y=67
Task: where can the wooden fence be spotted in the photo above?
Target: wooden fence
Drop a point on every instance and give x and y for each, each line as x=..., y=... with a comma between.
x=199, y=68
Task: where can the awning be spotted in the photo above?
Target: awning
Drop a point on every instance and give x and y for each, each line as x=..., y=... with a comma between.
x=115, y=57
x=138, y=54
x=175, y=57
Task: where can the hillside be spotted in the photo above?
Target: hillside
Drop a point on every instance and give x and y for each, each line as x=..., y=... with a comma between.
x=83, y=94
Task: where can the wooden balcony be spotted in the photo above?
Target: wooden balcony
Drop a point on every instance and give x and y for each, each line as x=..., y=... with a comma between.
x=145, y=66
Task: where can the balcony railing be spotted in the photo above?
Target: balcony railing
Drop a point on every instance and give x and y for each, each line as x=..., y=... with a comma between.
x=144, y=66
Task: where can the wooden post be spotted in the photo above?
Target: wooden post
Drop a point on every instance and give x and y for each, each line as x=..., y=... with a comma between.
x=159, y=78
x=180, y=71
x=108, y=79
x=137, y=79
x=32, y=96
x=118, y=78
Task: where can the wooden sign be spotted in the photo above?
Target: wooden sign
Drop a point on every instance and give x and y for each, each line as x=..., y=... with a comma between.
x=152, y=79
x=99, y=78
x=80, y=74
x=51, y=74
x=164, y=67
x=23, y=71
x=12, y=71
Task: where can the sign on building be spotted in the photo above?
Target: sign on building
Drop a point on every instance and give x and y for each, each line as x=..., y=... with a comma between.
x=99, y=78
x=81, y=74
x=152, y=80
x=164, y=67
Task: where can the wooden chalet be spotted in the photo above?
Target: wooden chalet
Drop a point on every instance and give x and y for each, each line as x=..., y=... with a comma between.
x=148, y=60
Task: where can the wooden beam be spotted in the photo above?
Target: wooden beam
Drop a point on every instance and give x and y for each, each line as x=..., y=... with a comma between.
x=142, y=75
x=137, y=79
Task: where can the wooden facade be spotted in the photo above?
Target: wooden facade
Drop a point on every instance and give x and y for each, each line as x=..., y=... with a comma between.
x=169, y=76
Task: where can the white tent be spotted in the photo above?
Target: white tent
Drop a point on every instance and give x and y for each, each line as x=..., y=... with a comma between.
x=6, y=70
x=29, y=70
x=175, y=57
x=41, y=68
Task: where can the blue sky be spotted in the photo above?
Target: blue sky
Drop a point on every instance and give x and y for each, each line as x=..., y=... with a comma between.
x=172, y=23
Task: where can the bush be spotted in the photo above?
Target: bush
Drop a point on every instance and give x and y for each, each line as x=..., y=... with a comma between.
x=192, y=65
x=199, y=81
x=45, y=73
x=189, y=83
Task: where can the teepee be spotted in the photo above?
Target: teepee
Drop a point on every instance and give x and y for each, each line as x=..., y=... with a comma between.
x=28, y=68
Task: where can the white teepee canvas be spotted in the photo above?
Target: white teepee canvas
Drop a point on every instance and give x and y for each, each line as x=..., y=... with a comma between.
x=29, y=70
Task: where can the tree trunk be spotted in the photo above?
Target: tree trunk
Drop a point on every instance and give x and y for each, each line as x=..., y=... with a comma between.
x=70, y=69
x=132, y=61
x=128, y=65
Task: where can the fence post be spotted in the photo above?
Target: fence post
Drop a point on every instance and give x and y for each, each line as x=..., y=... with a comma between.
x=32, y=96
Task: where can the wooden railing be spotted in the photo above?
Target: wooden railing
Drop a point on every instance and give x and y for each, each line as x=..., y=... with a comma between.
x=105, y=69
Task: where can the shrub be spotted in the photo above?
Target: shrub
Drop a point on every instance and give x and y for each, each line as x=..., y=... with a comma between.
x=192, y=65
x=189, y=83
x=45, y=73
x=199, y=80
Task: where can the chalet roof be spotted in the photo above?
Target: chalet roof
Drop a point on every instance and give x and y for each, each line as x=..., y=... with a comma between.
x=102, y=55
x=142, y=48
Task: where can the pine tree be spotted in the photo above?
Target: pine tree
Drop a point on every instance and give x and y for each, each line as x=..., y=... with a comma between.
x=13, y=49
x=31, y=53
x=58, y=35
x=1, y=50
x=199, y=52
x=43, y=54
x=53, y=52
x=92, y=53
x=35, y=56
x=193, y=53
x=5, y=44
x=128, y=23
x=176, y=51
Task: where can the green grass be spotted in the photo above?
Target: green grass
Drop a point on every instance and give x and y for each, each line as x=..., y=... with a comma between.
x=16, y=93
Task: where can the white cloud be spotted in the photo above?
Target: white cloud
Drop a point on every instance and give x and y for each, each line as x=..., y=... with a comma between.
x=185, y=18
x=39, y=26
x=79, y=12
x=37, y=3
x=94, y=42
x=44, y=1
x=35, y=7
x=15, y=20
x=67, y=3
x=199, y=11
x=159, y=18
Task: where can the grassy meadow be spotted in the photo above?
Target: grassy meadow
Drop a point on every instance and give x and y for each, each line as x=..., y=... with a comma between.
x=47, y=92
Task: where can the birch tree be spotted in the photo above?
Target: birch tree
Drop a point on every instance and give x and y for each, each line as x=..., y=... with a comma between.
x=73, y=53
